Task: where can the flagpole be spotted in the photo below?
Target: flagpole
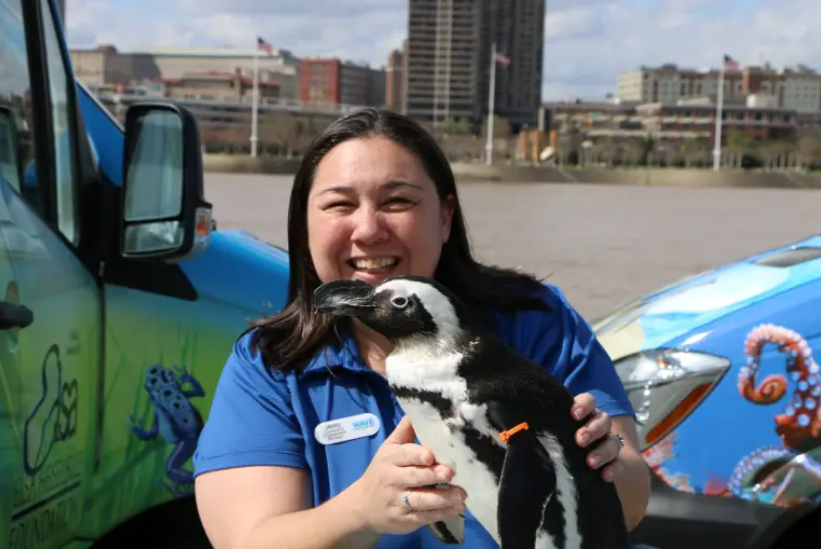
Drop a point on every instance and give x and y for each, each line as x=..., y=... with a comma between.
x=490, y=105
x=255, y=107
x=719, y=121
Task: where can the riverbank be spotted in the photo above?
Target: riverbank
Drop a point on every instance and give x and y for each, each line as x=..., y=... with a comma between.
x=472, y=172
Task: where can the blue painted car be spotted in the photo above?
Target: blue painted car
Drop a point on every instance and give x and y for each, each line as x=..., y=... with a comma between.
x=721, y=371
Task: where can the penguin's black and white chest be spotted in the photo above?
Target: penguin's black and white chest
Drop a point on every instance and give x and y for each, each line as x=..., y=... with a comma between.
x=461, y=435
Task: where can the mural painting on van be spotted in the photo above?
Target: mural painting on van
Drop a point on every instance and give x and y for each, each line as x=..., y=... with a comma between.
x=174, y=419
x=798, y=425
x=783, y=474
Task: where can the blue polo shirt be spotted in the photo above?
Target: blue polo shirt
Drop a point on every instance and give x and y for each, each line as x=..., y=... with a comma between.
x=264, y=417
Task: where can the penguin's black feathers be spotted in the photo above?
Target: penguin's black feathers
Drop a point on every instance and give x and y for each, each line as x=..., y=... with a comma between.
x=527, y=475
x=517, y=391
x=463, y=387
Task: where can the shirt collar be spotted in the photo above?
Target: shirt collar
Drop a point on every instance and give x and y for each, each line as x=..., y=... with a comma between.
x=340, y=352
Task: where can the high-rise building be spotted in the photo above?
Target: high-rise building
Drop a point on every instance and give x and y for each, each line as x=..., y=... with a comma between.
x=517, y=27
x=395, y=84
x=449, y=53
x=440, y=81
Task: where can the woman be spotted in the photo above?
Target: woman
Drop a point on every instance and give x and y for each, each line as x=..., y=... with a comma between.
x=375, y=197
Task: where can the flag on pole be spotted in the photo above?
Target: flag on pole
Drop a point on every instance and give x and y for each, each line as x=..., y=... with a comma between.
x=503, y=59
x=264, y=45
x=730, y=64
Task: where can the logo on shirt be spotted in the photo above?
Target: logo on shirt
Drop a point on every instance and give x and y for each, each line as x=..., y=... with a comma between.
x=363, y=424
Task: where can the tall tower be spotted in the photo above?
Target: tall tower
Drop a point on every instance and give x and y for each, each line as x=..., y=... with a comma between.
x=448, y=59
x=517, y=27
x=443, y=36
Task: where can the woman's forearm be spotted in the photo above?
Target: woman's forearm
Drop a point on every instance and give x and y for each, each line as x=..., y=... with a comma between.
x=633, y=486
x=331, y=525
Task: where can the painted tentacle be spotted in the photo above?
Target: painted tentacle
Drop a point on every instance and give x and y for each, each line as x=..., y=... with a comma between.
x=800, y=421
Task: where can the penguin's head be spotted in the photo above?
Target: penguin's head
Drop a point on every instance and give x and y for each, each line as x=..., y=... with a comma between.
x=399, y=308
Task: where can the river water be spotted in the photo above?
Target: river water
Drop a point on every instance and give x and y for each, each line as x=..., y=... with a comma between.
x=601, y=244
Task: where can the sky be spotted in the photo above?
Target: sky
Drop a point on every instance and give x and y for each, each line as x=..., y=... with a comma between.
x=587, y=42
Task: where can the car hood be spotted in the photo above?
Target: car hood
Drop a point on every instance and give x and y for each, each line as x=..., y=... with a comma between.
x=241, y=271
x=656, y=319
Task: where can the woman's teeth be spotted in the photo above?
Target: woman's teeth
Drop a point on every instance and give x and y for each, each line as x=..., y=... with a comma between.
x=376, y=264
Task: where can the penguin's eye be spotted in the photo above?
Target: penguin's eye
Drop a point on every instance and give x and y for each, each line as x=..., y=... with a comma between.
x=399, y=302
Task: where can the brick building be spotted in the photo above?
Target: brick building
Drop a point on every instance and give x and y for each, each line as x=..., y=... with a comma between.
x=334, y=82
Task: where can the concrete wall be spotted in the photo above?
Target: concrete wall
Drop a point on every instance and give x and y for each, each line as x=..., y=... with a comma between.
x=242, y=163
x=656, y=177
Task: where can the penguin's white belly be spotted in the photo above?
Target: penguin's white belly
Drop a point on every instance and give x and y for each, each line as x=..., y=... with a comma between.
x=450, y=449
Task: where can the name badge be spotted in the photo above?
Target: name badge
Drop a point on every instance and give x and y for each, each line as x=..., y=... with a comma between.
x=347, y=428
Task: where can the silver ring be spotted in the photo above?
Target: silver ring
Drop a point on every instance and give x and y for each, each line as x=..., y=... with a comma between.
x=406, y=501
x=619, y=438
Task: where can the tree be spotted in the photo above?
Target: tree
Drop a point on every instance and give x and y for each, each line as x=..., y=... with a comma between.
x=695, y=151
x=501, y=127
x=739, y=145
x=808, y=151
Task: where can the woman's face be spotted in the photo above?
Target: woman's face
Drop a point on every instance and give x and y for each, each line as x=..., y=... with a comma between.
x=373, y=213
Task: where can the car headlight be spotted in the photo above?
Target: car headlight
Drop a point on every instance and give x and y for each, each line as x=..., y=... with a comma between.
x=666, y=385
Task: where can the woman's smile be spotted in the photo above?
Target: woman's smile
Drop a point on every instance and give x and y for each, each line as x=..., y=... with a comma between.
x=373, y=269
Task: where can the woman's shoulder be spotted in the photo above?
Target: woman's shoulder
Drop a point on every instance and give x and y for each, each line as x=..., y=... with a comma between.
x=539, y=330
x=247, y=358
x=548, y=304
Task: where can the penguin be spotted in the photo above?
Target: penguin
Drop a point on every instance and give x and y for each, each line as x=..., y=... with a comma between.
x=498, y=419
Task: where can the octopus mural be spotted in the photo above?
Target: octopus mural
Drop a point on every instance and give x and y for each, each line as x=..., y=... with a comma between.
x=658, y=454
x=798, y=426
x=781, y=474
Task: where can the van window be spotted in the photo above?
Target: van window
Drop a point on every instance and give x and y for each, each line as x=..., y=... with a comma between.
x=64, y=139
x=16, y=140
x=18, y=169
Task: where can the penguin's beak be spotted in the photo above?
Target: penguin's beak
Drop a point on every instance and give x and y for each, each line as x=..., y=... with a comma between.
x=344, y=298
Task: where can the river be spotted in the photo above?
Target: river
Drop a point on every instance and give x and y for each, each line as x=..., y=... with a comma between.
x=601, y=244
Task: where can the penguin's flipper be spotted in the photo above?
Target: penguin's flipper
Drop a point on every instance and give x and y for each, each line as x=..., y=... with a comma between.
x=451, y=531
x=527, y=485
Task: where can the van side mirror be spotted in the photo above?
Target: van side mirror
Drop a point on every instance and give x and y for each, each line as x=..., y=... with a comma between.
x=163, y=211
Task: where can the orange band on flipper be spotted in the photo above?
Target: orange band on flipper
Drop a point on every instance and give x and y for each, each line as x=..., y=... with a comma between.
x=505, y=435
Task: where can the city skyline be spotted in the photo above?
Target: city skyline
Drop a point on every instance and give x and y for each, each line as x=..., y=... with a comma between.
x=587, y=42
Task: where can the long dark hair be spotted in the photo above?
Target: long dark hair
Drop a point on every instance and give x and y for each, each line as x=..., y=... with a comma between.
x=290, y=338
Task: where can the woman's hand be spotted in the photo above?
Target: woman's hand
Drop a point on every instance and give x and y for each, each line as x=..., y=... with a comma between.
x=604, y=452
x=401, y=469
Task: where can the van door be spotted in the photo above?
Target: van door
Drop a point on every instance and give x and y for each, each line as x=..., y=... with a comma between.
x=50, y=317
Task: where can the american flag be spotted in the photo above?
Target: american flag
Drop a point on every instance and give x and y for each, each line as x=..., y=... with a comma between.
x=503, y=59
x=263, y=45
x=730, y=64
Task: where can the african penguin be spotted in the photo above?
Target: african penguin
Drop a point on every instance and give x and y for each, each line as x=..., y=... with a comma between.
x=500, y=421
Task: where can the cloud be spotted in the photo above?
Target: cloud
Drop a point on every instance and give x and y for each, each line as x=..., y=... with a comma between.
x=588, y=46
x=344, y=9
x=587, y=43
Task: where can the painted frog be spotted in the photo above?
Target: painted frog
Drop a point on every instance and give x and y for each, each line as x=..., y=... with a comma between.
x=175, y=420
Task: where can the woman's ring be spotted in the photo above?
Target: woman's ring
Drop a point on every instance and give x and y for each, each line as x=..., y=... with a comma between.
x=406, y=500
